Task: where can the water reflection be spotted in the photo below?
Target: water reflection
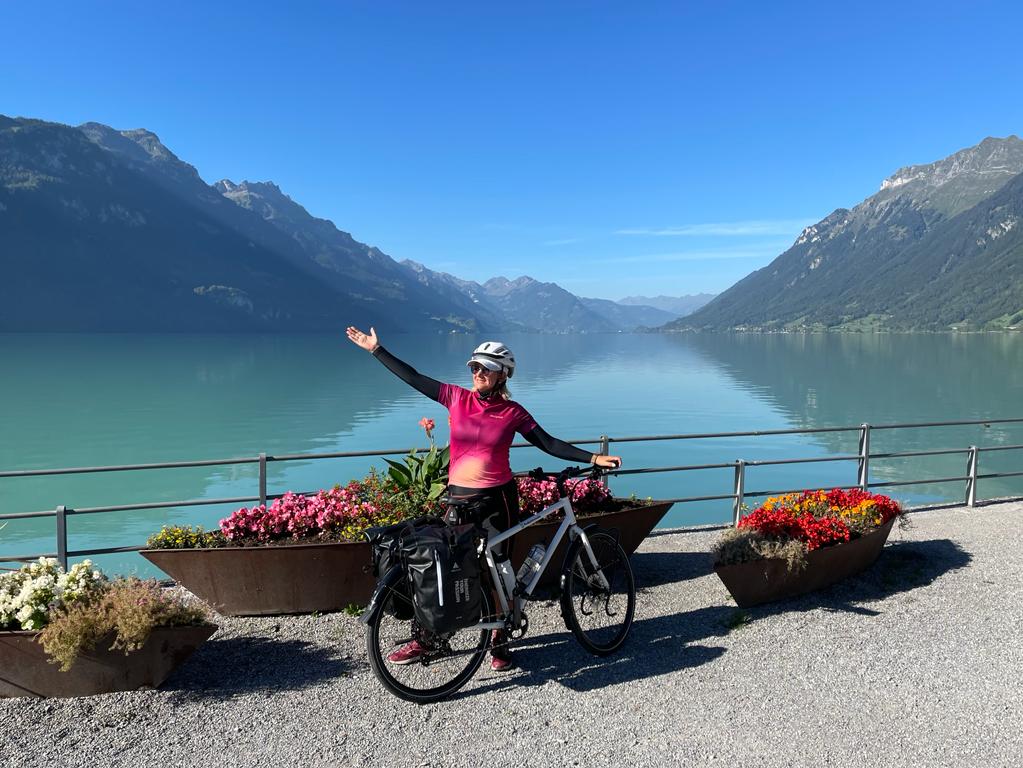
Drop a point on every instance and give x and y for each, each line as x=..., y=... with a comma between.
x=820, y=380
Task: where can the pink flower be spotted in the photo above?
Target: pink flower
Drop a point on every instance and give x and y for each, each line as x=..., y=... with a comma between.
x=427, y=425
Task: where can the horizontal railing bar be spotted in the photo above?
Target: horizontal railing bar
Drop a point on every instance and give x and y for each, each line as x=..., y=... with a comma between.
x=128, y=467
x=687, y=468
x=901, y=454
x=753, y=433
x=103, y=551
x=686, y=499
x=347, y=454
x=19, y=515
x=25, y=558
x=793, y=490
x=1001, y=448
x=1000, y=474
x=161, y=505
x=889, y=483
x=767, y=462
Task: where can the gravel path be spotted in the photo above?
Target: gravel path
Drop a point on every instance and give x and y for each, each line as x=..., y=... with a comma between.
x=916, y=662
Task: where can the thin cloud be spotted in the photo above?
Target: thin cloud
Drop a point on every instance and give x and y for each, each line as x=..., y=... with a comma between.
x=724, y=229
x=720, y=254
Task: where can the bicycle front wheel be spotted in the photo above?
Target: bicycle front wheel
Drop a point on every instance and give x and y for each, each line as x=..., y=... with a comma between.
x=599, y=614
x=445, y=663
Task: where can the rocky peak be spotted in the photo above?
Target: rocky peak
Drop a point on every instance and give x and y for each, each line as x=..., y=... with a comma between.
x=139, y=147
x=264, y=198
x=500, y=286
x=973, y=172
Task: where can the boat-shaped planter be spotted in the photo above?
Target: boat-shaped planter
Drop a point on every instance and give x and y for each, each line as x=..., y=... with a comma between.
x=26, y=669
x=305, y=578
x=764, y=581
x=274, y=579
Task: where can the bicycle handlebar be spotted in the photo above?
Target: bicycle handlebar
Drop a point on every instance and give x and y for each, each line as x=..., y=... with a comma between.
x=560, y=477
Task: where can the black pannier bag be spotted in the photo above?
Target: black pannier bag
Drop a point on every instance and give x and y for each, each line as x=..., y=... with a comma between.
x=385, y=550
x=444, y=571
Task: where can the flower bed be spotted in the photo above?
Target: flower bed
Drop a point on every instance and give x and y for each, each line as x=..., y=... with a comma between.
x=79, y=616
x=818, y=537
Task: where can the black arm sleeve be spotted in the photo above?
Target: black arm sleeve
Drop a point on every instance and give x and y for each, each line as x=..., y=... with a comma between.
x=556, y=447
x=408, y=374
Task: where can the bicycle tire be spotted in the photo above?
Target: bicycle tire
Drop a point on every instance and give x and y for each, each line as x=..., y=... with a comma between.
x=584, y=603
x=418, y=682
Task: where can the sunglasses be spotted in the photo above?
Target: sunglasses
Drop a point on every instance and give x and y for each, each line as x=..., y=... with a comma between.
x=477, y=368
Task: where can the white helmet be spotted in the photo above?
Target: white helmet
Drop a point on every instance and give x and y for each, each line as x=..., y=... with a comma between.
x=494, y=356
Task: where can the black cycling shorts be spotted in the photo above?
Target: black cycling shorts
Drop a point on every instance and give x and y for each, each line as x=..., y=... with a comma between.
x=493, y=509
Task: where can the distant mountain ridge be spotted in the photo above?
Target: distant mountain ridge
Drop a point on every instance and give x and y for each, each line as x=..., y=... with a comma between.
x=675, y=305
x=110, y=231
x=937, y=247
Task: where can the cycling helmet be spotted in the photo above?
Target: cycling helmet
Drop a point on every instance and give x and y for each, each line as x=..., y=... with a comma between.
x=494, y=356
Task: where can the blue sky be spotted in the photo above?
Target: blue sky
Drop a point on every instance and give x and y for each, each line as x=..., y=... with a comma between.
x=614, y=148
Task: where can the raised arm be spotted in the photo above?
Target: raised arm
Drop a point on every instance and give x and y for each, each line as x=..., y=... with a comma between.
x=404, y=371
x=562, y=450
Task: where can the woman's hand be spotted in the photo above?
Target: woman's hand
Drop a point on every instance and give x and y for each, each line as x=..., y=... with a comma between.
x=607, y=462
x=367, y=341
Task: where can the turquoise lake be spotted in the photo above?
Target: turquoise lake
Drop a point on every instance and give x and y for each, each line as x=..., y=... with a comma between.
x=97, y=400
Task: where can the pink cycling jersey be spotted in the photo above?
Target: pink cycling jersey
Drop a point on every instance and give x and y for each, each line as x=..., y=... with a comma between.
x=481, y=434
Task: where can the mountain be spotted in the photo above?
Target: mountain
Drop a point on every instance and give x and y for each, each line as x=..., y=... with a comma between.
x=936, y=246
x=679, y=306
x=528, y=304
x=464, y=293
x=90, y=243
x=355, y=268
x=107, y=230
x=628, y=317
x=547, y=307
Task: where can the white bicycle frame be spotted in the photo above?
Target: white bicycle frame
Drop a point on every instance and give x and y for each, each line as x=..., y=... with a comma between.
x=568, y=526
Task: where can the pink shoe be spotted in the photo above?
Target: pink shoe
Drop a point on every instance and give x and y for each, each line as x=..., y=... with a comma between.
x=407, y=653
x=501, y=663
x=500, y=657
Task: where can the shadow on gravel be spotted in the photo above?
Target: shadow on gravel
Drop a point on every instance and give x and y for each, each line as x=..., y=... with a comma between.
x=653, y=569
x=902, y=566
x=656, y=646
x=223, y=668
x=666, y=644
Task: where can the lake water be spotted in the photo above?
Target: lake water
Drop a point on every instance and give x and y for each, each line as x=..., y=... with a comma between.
x=90, y=400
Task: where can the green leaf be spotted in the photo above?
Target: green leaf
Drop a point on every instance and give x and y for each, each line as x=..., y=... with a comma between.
x=399, y=472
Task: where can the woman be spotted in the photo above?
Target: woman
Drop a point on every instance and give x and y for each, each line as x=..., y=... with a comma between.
x=483, y=420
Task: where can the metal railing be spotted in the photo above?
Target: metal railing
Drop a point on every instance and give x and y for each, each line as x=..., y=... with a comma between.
x=738, y=494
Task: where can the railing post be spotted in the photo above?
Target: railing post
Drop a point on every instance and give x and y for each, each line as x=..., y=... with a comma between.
x=605, y=450
x=62, y=536
x=740, y=486
x=262, y=479
x=971, y=483
x=863, y=476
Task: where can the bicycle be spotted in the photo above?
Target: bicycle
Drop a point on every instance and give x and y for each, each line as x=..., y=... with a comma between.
x=597, y=592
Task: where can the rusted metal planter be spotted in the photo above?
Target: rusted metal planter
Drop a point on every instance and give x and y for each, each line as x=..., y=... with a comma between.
x=272, y=580
x=632, y=523
x=303, y=578
x=764, y=581
x=25, y=669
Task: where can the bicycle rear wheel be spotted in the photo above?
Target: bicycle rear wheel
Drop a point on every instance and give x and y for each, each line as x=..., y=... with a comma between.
x=448, y=663
x=599, y=616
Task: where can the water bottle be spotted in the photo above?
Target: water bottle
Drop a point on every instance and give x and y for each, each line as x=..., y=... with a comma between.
x=531, y=564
